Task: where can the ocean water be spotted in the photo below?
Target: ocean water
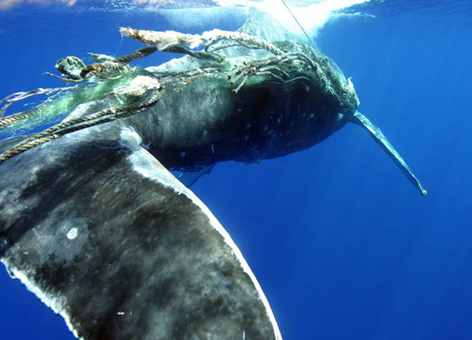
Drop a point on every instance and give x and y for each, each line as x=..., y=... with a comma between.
x=341, y=243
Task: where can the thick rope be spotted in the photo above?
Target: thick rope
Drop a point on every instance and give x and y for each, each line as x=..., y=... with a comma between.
x=169, y=39
x=117, y=64
x=14, y=118
x=4, y=122
x=73, y=125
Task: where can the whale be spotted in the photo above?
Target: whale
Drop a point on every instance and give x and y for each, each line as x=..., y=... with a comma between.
x=95, y=224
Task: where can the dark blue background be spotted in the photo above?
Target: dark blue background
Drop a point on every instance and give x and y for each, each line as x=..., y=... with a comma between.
x=342, y=244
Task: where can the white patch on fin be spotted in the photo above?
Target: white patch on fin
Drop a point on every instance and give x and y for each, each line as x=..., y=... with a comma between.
x=48, y=299
x=72, y=234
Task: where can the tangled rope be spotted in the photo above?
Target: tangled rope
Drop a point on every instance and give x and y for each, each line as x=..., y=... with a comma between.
x=15, y=97
x=73, y=125
x=168, y=39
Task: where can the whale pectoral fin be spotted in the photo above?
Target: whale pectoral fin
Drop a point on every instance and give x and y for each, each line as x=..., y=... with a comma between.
x=189, y=178
x=361, y=120
x=102, y=233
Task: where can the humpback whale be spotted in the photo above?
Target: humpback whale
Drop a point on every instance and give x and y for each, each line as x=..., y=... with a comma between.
x=93, y=222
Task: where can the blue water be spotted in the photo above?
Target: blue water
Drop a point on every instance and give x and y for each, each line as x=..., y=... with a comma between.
x=340, y=241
